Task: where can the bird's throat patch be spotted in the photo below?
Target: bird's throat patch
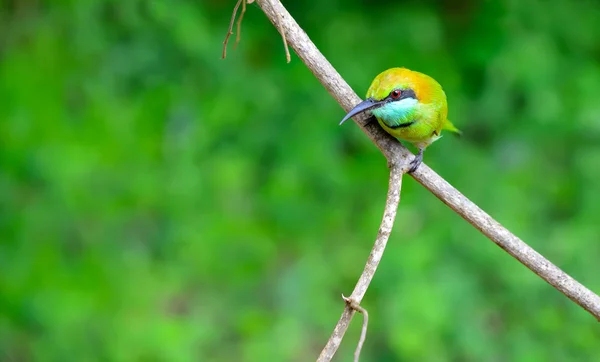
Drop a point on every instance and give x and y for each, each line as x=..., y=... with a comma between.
x=397, y=114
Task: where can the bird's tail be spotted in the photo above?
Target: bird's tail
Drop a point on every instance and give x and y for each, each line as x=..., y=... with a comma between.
x=450, y=127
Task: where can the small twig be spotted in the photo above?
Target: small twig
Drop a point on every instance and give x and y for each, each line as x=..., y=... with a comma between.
x=239, y=25
x=389, y=215
x=288, y=58
x=363, y=332
x=230, y=29
x=238, y=34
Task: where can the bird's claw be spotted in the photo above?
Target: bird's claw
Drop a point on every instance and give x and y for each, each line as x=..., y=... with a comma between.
x=416, y=162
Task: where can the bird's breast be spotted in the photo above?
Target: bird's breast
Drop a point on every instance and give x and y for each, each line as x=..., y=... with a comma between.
x=418, y=126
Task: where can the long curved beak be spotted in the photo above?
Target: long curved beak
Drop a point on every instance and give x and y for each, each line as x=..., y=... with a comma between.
x=363, y=106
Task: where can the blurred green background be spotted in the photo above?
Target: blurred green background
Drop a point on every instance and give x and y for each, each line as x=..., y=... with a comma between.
x=161, y=204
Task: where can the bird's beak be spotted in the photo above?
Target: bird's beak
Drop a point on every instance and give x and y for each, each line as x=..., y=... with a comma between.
x=363, y=106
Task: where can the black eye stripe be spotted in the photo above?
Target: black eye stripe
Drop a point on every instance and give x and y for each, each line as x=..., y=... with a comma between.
x=404, y=93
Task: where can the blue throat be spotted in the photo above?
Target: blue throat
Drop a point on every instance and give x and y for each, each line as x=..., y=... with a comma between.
x=395, y=114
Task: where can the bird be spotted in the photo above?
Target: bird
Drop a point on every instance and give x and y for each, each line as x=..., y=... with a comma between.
x=410, y=106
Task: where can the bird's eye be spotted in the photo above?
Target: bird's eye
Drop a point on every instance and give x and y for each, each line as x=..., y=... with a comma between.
x=395, y=94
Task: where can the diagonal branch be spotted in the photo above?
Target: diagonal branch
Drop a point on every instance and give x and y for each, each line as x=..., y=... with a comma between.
x=389, y=215
x=396, y=154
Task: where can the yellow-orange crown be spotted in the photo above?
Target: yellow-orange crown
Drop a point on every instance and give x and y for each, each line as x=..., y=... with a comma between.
x=427, y=89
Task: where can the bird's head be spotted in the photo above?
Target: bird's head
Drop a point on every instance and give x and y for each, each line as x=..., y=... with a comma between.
x=395, y=94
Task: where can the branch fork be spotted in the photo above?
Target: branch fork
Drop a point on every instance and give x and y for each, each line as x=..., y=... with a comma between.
x=353, y=304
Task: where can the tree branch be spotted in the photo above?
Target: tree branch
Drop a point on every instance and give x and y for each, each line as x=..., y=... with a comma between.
x=353, y=302
x=396, y=154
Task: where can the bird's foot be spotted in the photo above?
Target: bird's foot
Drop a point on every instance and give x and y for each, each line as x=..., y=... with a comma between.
x=416, y=162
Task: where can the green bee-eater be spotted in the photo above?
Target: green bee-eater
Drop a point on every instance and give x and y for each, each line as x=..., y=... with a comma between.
x=408, y=105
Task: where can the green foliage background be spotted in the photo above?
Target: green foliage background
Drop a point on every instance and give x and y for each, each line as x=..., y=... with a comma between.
x=161, y=204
